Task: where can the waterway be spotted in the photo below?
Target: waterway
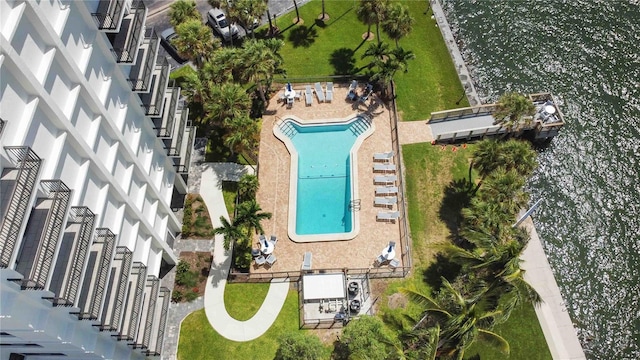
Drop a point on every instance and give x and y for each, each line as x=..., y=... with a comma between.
x=587, y=53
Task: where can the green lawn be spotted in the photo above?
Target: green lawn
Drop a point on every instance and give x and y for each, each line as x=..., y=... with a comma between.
x=199, y=341
x=336, y=48
x=229, y=192
x=239, y=305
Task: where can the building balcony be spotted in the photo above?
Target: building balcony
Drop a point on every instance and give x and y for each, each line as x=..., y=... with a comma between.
x=36, y=256
x=17, y=183
x=2, y=122
x=183, y=162
x=142, y=71
x=109, y=14
x=72, y=256
x=116, y=289
x=126, y=41
x=153, y=101
x=96, y=274
x=175, y=145
x=148, y=316
x=164, y=125
x=157, y=331
x=133, y=302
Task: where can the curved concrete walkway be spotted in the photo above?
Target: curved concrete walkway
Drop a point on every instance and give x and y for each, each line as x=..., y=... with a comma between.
x=219, y=318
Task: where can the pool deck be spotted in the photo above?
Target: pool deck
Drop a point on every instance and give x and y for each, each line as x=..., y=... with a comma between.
x=273, y=195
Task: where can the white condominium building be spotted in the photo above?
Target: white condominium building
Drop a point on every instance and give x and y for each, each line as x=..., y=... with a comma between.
x=94, y=152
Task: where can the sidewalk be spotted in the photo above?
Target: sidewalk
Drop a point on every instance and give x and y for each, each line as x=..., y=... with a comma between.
x=552, y=313
x=217, y=314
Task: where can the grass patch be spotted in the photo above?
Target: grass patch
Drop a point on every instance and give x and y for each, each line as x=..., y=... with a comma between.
x=199, y=341
x=229, y=192
x=239, y=305
x=524, y=335
x=336, y=48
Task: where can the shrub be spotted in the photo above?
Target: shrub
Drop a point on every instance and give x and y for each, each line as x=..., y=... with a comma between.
x=176, y=296
x=190, y=295
x=187, y=279
x=182, y=267
x=298, y=346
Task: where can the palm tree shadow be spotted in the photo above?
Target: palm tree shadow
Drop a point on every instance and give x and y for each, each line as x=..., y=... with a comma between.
x=457, y=196
x=443, y=267
x=303, y=36
x=343, y=61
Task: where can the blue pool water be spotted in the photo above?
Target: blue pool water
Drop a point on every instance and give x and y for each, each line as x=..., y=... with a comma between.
x=324, y=176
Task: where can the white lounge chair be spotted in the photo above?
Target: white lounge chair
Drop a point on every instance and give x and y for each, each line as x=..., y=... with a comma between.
x=394, y=263
x=307, y=95
x=385, y=156
x=386, y=190
x=384, y=167
x=385, y=201
x=351, y=94
x=306, y=261
x=260, y=260
x=385, y=179
x=319, y=92
x=329, y=91
x=388, y=215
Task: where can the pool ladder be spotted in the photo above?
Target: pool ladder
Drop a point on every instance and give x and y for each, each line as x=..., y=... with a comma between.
x=288, y=129
x=354, y=205
x=359, y=127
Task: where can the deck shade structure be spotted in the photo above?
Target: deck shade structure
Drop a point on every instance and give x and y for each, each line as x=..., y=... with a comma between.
x=324, y=286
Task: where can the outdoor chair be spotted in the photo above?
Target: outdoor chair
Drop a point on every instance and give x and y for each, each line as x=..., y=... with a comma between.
x=394, y=263
x=380, y=260
x=255, y=252
x=319, y=92
x=329, y=91
x=388, y=215
x=384, y=167
x=283, y=97
x=385, y=201
x=262, y=238
x=274, y=239
x=306, y=261
x=386, y=190
x=307, y=95
x=392, y=244
x=260, y=260
x=271, y=259
x=385, y=156
x=385, y=179
x=289, y=103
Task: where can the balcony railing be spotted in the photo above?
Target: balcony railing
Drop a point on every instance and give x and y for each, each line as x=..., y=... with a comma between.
x=36, y=255
x=20, y=183
x=116, y=290
x=176, y=143
x=157, y=335
x=2, y=122
x=141, y=74
x=148, y=316
x=72, y=256
x=164, y=125
x=109, y=14
x=153, y=101
x=96, y=274
x=185, y=158
x=126, y=41
x=133, y=305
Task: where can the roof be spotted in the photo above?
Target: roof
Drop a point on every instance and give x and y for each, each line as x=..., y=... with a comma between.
x=323, y=286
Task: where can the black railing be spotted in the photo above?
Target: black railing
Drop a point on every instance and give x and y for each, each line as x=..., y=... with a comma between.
x=141, y=75
x=96, y=274
x=125, y=43
x=155, y=346
x=112, y=312
x=108, y=14
x=183, y=168
x=2, y=122
x=176, y=147
x=166, y=131
x=72, y=256
x=28, y=165
x=148, y=313
x=152, y=102
x=137, y=280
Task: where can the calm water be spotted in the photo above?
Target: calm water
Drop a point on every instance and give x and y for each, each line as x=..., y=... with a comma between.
x=324, y=178
x=588, y=54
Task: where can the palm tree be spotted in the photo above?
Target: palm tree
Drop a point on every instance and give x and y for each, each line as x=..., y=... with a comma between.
x=248, y=186
x=183, y=10
x=486, y=157
x=519, y=156
x=504, y=187
x=248, y=11
x=385, y=70
x=513, y=109
x=232, y=231
x=261, y=60
x=398, y=22
x=250, y=215
x=372, y=12
x=402, y=57
x=227, y=101
x=195, y=41
x=377, y=51
x=486, y=216
x=462, y=321
x=242, y=134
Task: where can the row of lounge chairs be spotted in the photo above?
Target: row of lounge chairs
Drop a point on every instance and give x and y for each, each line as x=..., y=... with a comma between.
x=386, y=196
x=320, y=93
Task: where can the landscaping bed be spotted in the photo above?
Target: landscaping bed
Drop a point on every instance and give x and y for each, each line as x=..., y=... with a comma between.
x=196, y=222
x=191, y=275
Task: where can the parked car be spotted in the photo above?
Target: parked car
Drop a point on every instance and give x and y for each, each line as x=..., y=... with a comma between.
x=166, y=37
x=218, y=21
x=253, y=22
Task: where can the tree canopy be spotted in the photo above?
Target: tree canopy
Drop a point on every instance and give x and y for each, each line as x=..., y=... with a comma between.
x=298, y=346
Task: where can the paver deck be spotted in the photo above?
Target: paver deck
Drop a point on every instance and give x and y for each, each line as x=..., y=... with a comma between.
x=273, y=195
